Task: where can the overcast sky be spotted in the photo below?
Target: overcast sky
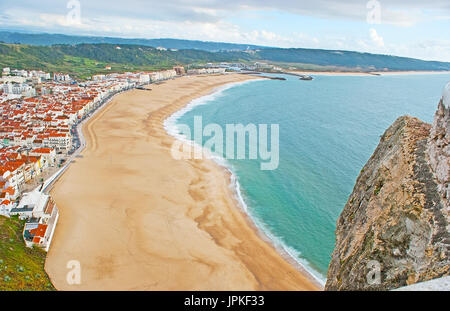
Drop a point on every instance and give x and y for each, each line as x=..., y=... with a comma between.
x=414, y=28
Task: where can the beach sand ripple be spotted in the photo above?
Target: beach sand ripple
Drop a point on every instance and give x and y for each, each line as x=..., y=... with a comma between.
x=136, y=219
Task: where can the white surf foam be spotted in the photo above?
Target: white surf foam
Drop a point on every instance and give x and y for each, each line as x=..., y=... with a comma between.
x=170, y=125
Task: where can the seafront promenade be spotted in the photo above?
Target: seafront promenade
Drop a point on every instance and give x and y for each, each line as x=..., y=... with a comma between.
x=48, y=183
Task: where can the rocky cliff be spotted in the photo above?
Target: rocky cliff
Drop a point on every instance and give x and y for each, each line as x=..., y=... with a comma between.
x=394, y=229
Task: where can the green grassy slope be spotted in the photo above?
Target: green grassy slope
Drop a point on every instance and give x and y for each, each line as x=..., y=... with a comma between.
x=21, y=268
x=84, y=60
x=54, y=59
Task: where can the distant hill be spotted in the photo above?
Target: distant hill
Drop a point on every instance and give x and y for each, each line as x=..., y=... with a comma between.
x=51, y=39
x=348, y=59
x=55, y=53
x=83, y=60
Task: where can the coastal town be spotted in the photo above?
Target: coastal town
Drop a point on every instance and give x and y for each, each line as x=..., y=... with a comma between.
x=41, y=114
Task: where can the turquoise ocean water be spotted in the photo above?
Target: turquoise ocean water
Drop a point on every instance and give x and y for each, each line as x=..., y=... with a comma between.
x=329, y=127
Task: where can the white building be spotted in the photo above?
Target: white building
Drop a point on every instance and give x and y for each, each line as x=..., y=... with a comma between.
x=14, y=177
x=20, y=73
x=40, y=74
x=48, y=155
x=5, y=207
x=60, y=142
x=42, y=213
x=162, y=75
x=31, y=205
x=206, y=71
x=144, y=78
x=19, y=89
x=13, y=79
x=36, y=80
x=61, y=77
x=24, y=90
x=7, y=88
x=98, y=77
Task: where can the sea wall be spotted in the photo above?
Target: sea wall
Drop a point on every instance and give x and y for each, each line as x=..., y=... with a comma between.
x=394, y=229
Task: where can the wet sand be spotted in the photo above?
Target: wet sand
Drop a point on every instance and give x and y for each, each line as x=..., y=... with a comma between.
x=137, y=219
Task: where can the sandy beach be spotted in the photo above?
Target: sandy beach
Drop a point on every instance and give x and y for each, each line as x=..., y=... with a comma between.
x=137, y=219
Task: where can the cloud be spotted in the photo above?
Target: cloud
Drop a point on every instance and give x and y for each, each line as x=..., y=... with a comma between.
x=377, y=39
x=392, y=12
x=213, y=20
x=220, y=30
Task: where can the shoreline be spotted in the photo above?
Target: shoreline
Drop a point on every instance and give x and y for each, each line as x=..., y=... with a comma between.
x=374, y=73
x=222, y=164
x=170, y=257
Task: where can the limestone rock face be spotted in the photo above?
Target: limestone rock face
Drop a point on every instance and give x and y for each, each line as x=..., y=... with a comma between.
x=446, y=96
x=393, y=230
x=439, y=147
